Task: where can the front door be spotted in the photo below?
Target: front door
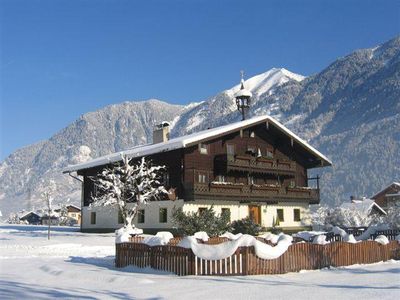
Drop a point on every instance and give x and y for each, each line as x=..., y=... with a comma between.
x=255, y=213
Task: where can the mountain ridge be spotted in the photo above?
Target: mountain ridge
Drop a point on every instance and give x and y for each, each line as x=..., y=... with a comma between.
x=350, y=111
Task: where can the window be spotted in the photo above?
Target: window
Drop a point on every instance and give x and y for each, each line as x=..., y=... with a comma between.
x=202, y=178
x=202, y=210
x=226, y=211
x=251, y=150
x=120, y=218
x=269, y=153
x=140, y=216
x=296, y=215
x=203, y=148
x=163, y=215
x=292, y=184
x=221, y=178
x=279, y=213
x=165, y=178
x=230, y=149
x=92, y=218
x=95, y=190
x=73, y=215
x=250, y=180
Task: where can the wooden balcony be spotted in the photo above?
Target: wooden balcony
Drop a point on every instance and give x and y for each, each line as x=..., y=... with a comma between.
x=248, y=163
x=250, y=193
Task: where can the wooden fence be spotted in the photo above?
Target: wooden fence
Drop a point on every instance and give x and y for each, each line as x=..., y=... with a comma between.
x=300, y=256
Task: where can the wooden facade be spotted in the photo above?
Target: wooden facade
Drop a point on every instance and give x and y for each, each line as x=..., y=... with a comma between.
x=252, y=165
x=388, y=196
x=255, y=163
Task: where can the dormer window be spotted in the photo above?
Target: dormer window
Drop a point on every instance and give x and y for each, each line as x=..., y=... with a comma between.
x=203, y=148
x=269, y=153
x=251, y=150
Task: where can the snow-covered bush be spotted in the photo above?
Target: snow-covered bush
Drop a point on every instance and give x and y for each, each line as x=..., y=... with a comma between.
x=392, y=219
x=206, y=220
x=324, y=218
x=13, y=218
x=319, y=218
x=126, y=186
x=246, y=226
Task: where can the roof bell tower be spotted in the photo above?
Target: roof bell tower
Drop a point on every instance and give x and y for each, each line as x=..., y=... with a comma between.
x=243, y=98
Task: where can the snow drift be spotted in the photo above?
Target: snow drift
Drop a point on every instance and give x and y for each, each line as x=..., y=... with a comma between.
x=224, y=250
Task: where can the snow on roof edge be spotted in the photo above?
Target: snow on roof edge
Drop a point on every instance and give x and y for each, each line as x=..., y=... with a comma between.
x=183, y=141
x=386, y=187
x=300, y=140
x=359, y=205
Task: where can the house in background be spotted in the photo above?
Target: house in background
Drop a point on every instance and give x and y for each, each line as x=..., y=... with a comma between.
x=256, y=168
x=30, y=217
x=54, y=218
x=364, y=207
x=390, y=195
x=74, y=212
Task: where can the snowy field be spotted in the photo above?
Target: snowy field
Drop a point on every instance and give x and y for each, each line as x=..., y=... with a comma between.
x=77, y=265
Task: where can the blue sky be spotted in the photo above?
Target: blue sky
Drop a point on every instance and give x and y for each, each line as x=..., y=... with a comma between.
x=60, y=59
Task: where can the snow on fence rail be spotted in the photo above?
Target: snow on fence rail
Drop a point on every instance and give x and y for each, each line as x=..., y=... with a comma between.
x=334, y=237
x=299, y=256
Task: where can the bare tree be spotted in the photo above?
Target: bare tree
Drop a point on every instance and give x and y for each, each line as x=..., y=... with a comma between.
x=47, y=196
x=127, y=185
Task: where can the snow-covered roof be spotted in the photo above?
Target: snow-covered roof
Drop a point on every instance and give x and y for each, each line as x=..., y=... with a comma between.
x=26, y=213
x=243, y=92
x=194, y=138
x=396, y=184
x=393, y=195
x=74, y=206
x=363, y=206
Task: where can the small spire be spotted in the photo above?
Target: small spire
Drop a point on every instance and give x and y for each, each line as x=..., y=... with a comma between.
x=242, y=79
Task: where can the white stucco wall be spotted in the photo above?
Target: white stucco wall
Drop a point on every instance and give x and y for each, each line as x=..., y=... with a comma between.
x=107, y=217
x=238, y=211
x=269, y=213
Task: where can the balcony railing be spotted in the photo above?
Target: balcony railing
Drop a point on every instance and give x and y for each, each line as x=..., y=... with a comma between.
x=250, y=193
x=253, y=164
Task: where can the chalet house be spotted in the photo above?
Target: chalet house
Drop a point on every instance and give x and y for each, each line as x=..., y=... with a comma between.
x=365, y=207
x=390, y=195
x=74, y=212
x=256, y=167
x=30, y=217
x=54, y=219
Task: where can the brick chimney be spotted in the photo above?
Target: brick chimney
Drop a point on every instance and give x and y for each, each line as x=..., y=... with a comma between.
x=161, y=133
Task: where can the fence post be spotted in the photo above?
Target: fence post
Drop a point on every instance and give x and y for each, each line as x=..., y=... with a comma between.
x=244, y=252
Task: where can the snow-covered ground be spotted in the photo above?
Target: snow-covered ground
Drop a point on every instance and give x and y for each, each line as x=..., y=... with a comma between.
x=77, y=265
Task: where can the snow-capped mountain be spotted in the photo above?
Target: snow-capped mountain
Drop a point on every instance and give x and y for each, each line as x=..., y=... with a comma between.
x=221, y=109
x=350, y=111
x=26, y=172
